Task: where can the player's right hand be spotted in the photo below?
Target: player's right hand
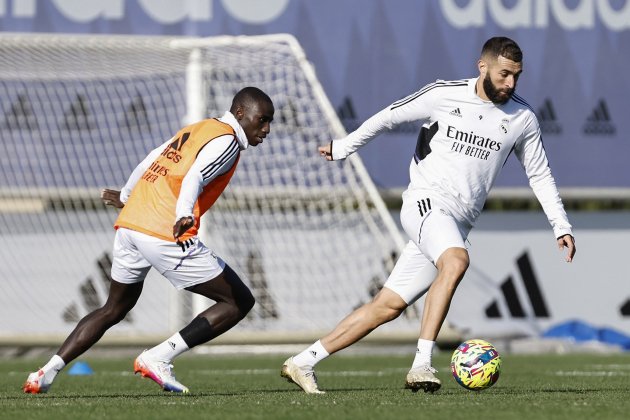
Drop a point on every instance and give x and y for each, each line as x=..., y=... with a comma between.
x=182, y=226
x=326, y=151
x=112, y=198
x=567, y=241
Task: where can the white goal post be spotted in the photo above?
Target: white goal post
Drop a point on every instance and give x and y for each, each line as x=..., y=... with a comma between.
x=312, y=239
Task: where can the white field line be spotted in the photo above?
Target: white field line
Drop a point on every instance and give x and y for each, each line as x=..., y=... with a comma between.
x=611, y=366
x=598, y=370
x=601, y=373
x=215, y=372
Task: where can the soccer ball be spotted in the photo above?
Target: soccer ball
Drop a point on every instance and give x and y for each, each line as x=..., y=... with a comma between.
x=476, y=364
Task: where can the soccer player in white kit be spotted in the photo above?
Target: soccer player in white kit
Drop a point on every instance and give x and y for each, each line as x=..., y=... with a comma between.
x=161, y=206
x=470, y=127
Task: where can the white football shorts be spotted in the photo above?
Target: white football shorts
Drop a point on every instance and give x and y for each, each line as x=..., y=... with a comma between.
x=135, y=253
x=432, y=230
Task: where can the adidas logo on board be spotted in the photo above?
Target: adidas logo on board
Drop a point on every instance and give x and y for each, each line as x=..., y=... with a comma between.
x=599, y=122
x=548, y=120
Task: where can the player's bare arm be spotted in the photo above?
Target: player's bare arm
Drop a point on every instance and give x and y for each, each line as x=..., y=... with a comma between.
x=112, y=198
x=182, y=226
x=569, y=242
x=326, y=151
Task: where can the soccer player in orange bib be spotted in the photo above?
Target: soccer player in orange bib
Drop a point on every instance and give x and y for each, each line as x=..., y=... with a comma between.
x=162, y=203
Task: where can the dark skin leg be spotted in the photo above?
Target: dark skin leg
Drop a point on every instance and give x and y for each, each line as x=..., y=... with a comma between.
x=233, y=301
x=122, y=298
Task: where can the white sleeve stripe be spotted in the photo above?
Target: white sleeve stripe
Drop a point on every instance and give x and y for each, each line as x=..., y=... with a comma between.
x=415, y=95
x=424, y=90
x=228, y=154
x=213, y=167
x=429, y=87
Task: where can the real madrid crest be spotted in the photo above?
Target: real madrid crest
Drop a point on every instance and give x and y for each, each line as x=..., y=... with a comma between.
x=504, y=125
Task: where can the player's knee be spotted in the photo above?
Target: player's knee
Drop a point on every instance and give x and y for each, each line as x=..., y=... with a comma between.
x=452, y=266
x=387, y=306
x=454, y=261
x=389, y=314
x=246, y=302
x=239, y=308
x=241, y=301
x=460, y=264
x=240, y=295
x=382, y=314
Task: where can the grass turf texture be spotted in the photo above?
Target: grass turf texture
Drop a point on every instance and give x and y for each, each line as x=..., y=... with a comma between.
x=363, y=387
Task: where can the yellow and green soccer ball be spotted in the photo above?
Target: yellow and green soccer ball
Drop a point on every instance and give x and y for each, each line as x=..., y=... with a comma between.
x=476, y=364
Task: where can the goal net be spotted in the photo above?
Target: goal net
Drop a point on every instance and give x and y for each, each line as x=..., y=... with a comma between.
x=312, y=239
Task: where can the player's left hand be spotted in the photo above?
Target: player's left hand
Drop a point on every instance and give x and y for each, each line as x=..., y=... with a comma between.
x=112, y=198
x=182, y=226
x=569, y=242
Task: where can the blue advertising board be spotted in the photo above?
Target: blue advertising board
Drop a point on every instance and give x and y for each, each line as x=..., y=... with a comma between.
x=369, y=53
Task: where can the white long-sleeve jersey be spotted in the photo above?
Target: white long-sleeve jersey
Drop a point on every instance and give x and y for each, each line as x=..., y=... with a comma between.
x=463, y=144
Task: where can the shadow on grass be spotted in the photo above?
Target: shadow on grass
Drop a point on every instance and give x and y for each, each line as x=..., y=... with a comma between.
x=515, y=391
x=202, y=394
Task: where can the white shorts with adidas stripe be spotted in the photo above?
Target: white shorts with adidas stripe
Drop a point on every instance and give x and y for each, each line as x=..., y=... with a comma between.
x=183, y=265
x=431, y=229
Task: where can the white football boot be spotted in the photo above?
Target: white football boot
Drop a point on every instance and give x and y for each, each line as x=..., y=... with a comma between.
x=39, y=382
x=160, y=372
x=303, y=377
x=423, y=377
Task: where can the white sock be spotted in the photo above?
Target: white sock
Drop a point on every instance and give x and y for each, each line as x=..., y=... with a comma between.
x=51, y=369
x=55, y=363
x=169, y=349
x=311, y=356
x=424, y=352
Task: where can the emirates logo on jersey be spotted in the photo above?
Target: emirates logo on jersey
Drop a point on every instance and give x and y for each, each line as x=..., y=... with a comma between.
x=473, y=139
x=471, y=144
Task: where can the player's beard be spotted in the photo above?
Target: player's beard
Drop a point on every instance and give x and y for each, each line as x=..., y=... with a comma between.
x=497, y=96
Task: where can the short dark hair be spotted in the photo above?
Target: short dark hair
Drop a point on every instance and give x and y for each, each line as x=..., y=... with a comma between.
x=247, y=96
x=502, y=46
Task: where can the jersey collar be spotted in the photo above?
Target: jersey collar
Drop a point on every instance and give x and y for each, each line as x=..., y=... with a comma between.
x=472, y=89
x=230, y=119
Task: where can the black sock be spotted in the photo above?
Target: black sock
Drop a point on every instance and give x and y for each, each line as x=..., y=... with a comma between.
x=197, y=332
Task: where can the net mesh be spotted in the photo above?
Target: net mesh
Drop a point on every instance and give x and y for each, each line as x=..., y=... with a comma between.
x=78, y=113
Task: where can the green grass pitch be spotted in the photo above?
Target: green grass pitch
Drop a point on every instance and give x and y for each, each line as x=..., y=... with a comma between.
x=585, y=386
